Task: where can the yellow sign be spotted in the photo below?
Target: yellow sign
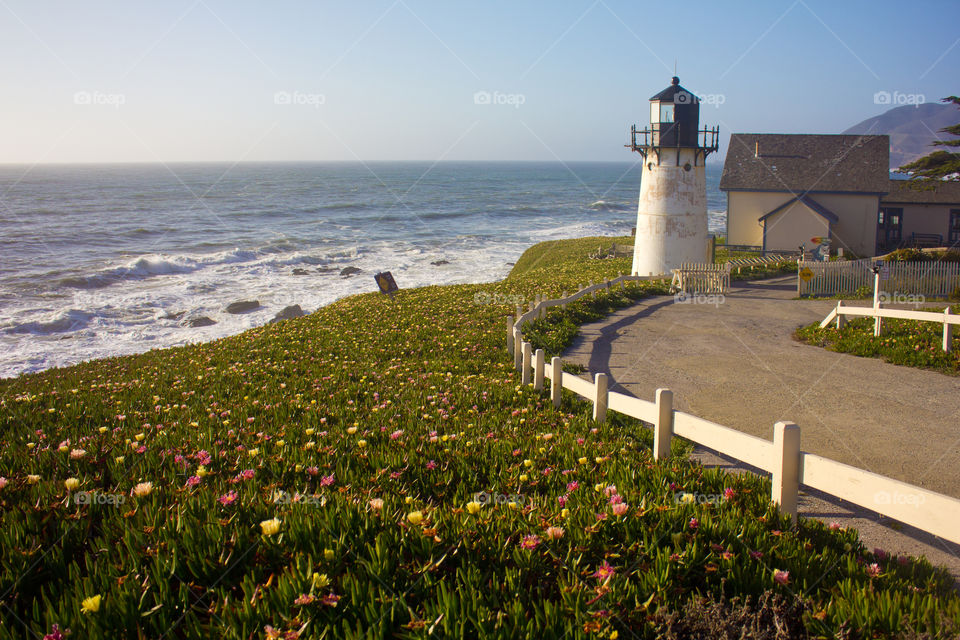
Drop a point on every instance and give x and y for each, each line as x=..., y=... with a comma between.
x=806, y=274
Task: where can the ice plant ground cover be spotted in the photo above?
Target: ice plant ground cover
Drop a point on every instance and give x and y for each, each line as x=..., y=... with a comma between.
x=904, y=342
x=376, y=470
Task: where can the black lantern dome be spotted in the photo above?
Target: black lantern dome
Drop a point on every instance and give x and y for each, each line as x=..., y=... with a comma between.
x=674, y=123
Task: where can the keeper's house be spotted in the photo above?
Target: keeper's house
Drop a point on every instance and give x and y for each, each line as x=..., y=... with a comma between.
x=785, y=190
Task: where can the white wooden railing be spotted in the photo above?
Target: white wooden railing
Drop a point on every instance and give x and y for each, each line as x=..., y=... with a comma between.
x=782, y=458
x=947, y=318
x=931, y=279
x=701, y=278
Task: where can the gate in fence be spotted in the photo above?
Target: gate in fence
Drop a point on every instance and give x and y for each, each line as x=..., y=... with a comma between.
x=701, y=278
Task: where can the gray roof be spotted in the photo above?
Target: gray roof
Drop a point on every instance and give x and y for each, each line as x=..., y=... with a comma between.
x=667, y=95
x=801, y=163
x=922, y=192
x=812, y=204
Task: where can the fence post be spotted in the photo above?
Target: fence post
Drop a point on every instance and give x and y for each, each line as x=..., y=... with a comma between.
x=663, y=428
x=525, y=371
x=841, y=319
x=947, y=330
x=517, y=347
x=556, y=380
x=543, y=307
x=878, y=321
x=538, y=369
x=510, y=335
x=600, y=400
x=786, y=467
x=564, y=305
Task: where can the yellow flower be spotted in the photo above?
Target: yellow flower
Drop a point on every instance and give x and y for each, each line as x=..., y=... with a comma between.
x=202, y=471
x=361, y=443
x=253, y=452
x=512, y=504
x=270, y=527
x=352, y=430
x=310, y=432
x=408, y=499
x=582, y=461
x=474, y=507
x=328, y=554
x=280, y=443
x=138, y=437
x=320, y=580
x=598, y=487
x=564, y=513
x=598, y=459
x=119, y=459
x=71, y=483
x=142, y=489
x=415, y=517
x=528, y=463
x=33, y=479
x=64, y=448
x=91, y=604
x=298, y=468
x=310, y=445
x=524, y=477
x=103, y=429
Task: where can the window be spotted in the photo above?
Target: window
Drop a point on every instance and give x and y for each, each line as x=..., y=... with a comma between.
x=654, y=112
x=666, y=113
x=954, y=226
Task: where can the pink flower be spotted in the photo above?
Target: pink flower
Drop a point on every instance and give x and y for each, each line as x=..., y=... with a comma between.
x=781, y=577
x=619, y=509
x=529, y=542
x=203, y=457
x=880, y=553
x=694, y=523
x=326, y=481
x=554, y=533
x=56, y=634
x=611, y=490
x=247, y=474
x=331, y=599
x=313, y=471
x=304, y=599
x=834, y=526
x=616, y=498
x=756, y=555
x=873, y=570
x=572, y=486
x=431, y=465
x=729, y=493
x=3, y=482
x=193, y=481
x=396, y=434
x=228, y=498
x=605, y=571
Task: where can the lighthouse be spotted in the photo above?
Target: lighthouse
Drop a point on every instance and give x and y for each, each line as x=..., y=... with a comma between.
x=672, y=212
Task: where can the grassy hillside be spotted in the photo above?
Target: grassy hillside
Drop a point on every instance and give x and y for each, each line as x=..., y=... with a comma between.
x=375, y=470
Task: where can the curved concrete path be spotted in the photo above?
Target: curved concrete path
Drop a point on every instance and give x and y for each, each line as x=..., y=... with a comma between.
x=734, y=361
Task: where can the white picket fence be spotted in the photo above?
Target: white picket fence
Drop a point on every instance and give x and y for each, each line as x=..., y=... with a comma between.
x=931, y=279
x=947, y=319
x=782, y=458
x=706, y=277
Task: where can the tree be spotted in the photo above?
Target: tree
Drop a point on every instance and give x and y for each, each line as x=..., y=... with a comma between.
x=939, y=165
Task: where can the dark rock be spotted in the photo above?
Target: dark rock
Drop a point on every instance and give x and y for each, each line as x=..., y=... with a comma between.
x=326, y=269
x=349, y=271
x=439, y=262
x=200, y=321
x=293, y=311
x=300, y=272
x=243, y=306
x=172, y=316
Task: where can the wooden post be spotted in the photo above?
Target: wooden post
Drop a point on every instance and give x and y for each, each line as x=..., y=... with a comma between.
x=786, y=467
x=538, y=369
x=564, y=305
x=947, y=331
x=533, y=305
x=600, y=400
x=841, y=319
x=517, y=348
x=556, y=380
x=663, y=428
x=525, y=371
x=510, y=335
x=877, y=322
x=543, y=307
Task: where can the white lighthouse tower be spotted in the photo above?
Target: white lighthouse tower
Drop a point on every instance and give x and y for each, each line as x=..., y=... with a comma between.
x=672, y=214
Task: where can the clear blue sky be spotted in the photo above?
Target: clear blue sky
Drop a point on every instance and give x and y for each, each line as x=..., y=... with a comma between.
x=396, y=80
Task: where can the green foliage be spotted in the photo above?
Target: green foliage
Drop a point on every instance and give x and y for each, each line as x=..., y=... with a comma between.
x=938, y=164
x=905, y=342
x=412, y=401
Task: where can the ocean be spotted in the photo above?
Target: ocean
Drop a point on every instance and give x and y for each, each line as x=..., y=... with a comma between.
x=105, y=260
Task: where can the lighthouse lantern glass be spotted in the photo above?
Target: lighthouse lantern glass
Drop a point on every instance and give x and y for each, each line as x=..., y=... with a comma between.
x=666, y=112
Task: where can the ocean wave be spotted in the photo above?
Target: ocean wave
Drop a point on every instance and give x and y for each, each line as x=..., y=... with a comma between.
x=155, y=265
x=62, y=322
x=603, y=205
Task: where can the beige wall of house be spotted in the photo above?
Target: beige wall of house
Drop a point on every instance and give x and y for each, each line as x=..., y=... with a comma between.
x=925, y=218
x=856, y=230
x=793, y=226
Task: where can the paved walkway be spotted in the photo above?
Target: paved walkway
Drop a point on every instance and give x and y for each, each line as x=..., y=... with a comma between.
x=734, y=361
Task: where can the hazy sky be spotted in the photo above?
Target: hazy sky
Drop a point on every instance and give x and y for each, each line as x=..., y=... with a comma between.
x=399, y=80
